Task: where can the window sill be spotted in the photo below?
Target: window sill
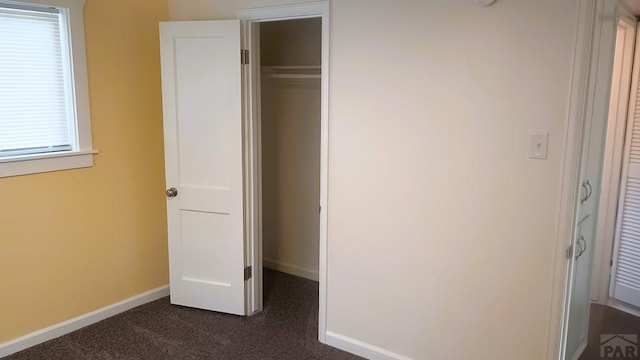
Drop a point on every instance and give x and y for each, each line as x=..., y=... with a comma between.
x=33, y=164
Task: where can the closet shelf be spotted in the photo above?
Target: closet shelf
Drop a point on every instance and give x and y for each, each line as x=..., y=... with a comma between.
x=292, y=72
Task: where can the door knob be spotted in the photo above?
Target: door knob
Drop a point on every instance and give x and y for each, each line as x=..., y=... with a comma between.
x=173, y=192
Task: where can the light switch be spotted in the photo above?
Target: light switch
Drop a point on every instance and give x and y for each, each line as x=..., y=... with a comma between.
x=538, y=145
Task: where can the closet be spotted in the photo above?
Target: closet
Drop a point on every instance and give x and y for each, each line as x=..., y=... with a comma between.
x=290, y=96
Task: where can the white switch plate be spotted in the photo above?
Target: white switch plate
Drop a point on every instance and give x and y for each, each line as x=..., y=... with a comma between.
x=538, y=145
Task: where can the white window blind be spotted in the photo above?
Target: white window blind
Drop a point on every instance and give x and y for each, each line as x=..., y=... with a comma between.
x=36, y=110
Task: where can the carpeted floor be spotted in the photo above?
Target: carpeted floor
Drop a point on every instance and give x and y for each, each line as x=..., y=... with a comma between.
x=286, y=329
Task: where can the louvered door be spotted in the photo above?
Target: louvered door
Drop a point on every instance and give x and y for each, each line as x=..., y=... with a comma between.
x=625, y=275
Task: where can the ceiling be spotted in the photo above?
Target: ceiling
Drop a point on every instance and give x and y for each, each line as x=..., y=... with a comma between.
x=632, y=5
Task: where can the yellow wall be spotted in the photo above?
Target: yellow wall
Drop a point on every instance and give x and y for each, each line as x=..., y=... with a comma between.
x=75, y=241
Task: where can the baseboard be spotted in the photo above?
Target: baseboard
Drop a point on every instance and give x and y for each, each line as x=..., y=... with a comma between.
x=360, y=348
x=290, y=269
x=65, y=327
x=622, y=306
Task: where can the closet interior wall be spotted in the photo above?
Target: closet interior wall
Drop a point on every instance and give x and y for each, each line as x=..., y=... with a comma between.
x=290, y=56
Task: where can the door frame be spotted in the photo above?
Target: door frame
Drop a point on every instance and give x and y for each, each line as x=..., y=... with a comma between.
x=612, y=165
x=567, y=214
x=589, y=78
x=253, y=156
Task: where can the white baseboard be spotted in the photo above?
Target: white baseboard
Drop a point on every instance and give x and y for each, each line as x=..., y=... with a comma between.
x=65, y=327
x=622, y=306
x=360, y=348
x=290, y=269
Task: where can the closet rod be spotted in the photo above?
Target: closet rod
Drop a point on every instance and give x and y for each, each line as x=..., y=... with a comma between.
x=292, y=67
x=293, y=76
x=292, y=72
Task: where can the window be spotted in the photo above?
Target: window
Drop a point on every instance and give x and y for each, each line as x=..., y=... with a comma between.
x=44, y=112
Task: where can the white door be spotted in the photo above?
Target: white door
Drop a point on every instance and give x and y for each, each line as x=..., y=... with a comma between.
x=201, y=85
x=580, y=255
x=578, y=316
x=625, y=275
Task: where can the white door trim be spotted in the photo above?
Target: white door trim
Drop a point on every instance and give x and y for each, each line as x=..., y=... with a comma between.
x=614, y=145
x=305, y=10
x=571, y=166
x=252, y=170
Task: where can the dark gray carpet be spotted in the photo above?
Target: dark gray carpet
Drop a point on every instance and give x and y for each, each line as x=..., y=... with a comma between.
x=287, y=328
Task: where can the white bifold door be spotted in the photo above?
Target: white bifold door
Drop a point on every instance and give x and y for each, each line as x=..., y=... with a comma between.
x=625, y=275
x=202, y=99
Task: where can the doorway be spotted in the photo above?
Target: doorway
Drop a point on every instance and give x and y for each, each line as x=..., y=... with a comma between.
x=290, y=145
x=614, y=286
x=619, y=127
x=290, y=56
x=604, y=157
x=597, y=63
x=287, y=117
x=212, y=113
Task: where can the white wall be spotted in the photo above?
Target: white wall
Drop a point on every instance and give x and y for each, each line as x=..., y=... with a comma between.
x=441, y=230
x=291, y=176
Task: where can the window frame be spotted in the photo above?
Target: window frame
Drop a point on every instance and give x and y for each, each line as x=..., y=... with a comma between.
x=82, y=156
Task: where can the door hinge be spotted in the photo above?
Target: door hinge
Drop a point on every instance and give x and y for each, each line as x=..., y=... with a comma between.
x=244, y=56
x=248, y=273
